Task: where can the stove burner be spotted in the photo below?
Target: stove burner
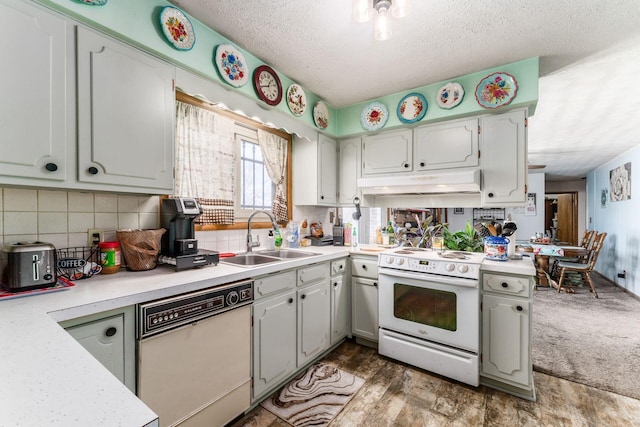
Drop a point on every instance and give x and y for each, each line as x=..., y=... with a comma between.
x=403, y=252
x=453, y=255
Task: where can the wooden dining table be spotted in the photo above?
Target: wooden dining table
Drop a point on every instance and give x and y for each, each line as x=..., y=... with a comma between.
x=543, y=252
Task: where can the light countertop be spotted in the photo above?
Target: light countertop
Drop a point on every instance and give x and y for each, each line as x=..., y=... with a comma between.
x=49, y=378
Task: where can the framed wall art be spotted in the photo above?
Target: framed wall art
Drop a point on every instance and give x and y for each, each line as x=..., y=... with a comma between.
x=620, y=183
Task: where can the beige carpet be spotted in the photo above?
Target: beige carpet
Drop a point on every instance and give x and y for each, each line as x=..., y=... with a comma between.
x=315, y=397
x=587, y=340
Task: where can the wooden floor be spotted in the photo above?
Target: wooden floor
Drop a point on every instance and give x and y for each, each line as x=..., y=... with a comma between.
x=395, y=394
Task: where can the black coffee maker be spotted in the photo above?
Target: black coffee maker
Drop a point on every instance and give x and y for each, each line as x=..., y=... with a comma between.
x=179, y=245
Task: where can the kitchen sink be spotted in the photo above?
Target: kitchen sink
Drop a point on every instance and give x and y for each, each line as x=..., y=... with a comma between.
x=249, y=260
x=286, y=253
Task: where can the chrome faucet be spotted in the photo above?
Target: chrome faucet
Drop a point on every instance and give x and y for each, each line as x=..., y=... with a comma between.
x=249, y=238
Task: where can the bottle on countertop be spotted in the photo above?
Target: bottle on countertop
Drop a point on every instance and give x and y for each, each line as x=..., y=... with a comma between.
x=271, y=241
x=391, y=232
x=277, y=240
x=354, y=238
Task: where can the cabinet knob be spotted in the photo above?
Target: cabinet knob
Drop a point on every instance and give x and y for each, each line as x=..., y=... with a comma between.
x=519, y=308
x=375, y=284
x=490, y=195
x=422, y=164
x=290, y=300
x=111, y=331
x=303, y=296
x=335, y=284
x=364, y=267
x=51, y=167
x=93, y=170
x=406, y=165
x=321, y=197
x=505, y=285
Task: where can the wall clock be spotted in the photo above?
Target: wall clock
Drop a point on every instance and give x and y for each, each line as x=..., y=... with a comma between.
x=267, y=85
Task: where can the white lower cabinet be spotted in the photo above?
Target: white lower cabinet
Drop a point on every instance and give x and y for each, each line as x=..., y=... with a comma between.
x=340, y=301
x=274, y=341
x=291, y=326
x=365, y=308
x=506, y=334
x=313, y=321
x=110, y=338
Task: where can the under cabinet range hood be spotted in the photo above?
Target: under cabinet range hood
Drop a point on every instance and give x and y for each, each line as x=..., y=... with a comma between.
x=464, y=181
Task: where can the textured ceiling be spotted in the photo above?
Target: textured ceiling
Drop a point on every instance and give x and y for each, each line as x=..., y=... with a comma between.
x=589, y=98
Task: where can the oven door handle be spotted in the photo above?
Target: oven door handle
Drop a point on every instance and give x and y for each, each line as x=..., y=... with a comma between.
x=453, y=281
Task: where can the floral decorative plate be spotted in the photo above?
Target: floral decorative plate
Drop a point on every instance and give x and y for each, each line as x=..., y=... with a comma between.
x=177, y=28
x=374, y=116
x=93, y=2
x=321, y=115
x=412, y=108
x=231, y=65
x=450, y=95
x=496, y=90
x=296, y=100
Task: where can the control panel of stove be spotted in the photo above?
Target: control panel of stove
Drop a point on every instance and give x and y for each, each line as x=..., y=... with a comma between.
x=446, y=267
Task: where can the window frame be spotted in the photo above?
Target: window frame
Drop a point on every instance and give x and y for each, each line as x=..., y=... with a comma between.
x=241, y=221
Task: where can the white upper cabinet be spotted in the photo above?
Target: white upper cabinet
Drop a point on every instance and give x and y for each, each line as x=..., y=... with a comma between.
x=350, y=159
x=34, y=108
x=453, y=144
x=504, y=159
x=315, y=179
x=388, y=152
x=126, y=105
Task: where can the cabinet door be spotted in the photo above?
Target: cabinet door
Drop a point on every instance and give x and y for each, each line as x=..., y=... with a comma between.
x=504, y=158
x=389, y=152
x=339, y=308
x=314, y=322
x=104, y=339
x=274, y=341
x=365, y=308
x=327, y=170
x=126, y=107
x=349, y=171
x=447, y=145
x=34, y=107
x=505, y=333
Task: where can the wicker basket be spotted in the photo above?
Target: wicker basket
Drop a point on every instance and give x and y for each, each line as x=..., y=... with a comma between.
x=140, y=248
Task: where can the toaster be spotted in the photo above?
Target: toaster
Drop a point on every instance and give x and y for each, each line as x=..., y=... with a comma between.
x=28, y=265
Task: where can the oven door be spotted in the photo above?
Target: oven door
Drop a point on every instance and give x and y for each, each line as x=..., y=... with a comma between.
x=436, y=308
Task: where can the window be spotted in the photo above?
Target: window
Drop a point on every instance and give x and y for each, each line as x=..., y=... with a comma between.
x=244, y=169
x=255, y=190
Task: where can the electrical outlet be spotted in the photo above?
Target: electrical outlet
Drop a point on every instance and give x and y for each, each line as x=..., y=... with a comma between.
x=623, y=275
x=95, y=236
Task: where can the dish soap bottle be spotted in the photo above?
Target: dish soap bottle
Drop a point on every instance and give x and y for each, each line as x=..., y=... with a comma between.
x=271, y=244
x=277, y=240
x=392, y=233
x=354, y=239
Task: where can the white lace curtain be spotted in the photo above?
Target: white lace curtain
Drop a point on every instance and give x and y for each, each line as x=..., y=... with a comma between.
x=205, y=153
x=274, y=152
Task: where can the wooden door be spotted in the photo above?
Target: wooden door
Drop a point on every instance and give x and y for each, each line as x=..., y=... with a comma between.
x=567, y=218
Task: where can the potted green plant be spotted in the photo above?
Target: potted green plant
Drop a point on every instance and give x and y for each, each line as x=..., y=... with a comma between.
x=464, y=240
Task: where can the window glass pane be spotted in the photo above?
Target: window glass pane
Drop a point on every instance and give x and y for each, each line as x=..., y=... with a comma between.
x=256, y=186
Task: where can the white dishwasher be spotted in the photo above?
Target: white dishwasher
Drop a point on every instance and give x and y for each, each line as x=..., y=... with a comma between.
x=194, y=355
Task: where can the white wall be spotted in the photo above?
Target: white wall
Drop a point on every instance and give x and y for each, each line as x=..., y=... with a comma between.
x=620, y=220
x=529, y=225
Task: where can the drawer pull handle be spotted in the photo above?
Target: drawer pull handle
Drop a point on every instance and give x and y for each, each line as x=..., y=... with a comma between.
x=505, y=285
x=422, y=164
x=111, y=331
x=290, y=300
x=375, y=284
x=364, y=267
x=519, y=308
x=406, y=165
x=490, y=194
x=303, y=296
x=335, y=284
x=93, y=170
x=51, y=167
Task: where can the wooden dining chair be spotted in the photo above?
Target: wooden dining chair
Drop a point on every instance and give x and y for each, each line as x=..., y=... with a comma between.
x=582, y=269
x=587, y=241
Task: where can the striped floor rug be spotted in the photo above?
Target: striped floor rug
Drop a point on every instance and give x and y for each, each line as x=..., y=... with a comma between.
x=314, y=397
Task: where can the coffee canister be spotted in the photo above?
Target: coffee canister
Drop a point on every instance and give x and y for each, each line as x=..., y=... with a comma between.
x=496, y=248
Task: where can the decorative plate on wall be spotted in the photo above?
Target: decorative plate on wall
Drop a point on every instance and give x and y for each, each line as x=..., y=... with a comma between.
x=412, y=108
x=321, y=115
x=177, y=28
x=296, y=100
x=93, y=2
x=231, y=65
x=496, y=90
x=450, y=95
x=374, y=116
x=267, y=85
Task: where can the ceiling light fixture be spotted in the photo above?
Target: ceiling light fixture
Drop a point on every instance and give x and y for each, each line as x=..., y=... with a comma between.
x=363, y=10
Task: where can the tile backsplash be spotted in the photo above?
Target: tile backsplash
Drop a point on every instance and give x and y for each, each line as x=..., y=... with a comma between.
x=63, y=217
